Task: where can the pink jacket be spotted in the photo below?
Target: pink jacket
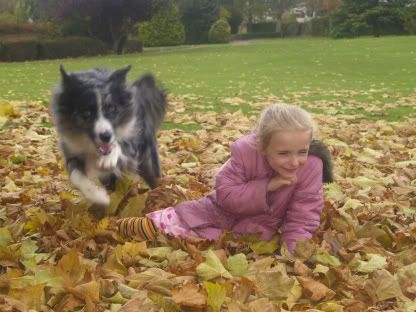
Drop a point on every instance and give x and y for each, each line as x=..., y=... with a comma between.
x=242, y=205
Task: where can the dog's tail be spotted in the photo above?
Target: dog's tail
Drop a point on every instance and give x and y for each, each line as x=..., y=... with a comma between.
x=152, y=100
x=319, y=149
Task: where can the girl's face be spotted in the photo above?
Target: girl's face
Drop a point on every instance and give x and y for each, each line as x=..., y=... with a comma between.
x=287, y=151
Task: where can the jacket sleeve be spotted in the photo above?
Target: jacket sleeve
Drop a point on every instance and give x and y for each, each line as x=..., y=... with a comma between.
x=304, y=210
x=236, y=193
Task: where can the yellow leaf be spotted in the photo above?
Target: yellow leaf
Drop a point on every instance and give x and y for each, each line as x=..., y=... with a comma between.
x=265, y=247
x=237, y=264
x=70, y=268
x=216, y=295
x=212, y=267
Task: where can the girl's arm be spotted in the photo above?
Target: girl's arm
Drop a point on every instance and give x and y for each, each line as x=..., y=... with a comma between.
x=304, y=210
x=234, y=191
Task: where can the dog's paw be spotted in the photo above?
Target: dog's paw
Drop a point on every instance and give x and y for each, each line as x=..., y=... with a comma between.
x=97, y=195
x=109, y=162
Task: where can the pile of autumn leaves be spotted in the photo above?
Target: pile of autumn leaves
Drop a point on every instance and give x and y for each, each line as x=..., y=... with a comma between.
x=55, y=257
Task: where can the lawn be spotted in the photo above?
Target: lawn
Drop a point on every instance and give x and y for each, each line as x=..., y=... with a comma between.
x=56, y=257
x=367, y=77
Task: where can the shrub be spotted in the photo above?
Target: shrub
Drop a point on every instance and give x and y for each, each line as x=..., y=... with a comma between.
x=164, y=29
x=220, y=32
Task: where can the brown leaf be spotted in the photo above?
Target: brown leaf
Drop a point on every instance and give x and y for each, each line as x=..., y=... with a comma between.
x=8, y=304
x=301, y=269
x=314, y=290
x=190, y=295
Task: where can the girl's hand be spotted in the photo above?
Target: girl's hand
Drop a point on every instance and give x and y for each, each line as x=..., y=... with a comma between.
x=279, y=181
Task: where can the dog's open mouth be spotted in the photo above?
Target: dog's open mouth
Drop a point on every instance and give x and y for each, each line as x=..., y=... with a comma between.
x=105, y=149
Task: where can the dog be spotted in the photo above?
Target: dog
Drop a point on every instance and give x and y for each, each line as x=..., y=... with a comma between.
x=107, y=128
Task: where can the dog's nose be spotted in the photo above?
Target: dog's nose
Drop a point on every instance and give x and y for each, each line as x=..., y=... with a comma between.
x=105, y=137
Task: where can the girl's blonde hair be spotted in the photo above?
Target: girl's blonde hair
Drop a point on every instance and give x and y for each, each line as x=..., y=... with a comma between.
x=281, y=116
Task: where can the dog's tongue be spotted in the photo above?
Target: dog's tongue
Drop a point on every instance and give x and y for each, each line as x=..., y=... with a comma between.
x=104, y=148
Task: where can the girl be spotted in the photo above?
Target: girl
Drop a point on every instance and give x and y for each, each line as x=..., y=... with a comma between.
x=272, y=181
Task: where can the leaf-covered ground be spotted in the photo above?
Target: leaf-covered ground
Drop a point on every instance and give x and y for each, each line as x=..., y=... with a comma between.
x=55, y=257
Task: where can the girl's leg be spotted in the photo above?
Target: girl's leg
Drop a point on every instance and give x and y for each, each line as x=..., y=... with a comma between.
x=140, y=228
x=165, y=221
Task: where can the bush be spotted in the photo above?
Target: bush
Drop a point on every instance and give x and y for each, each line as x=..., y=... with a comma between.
x=164, y=29
x=220, y=32
x=37, y=49
x=320, y=26
x=133, y=46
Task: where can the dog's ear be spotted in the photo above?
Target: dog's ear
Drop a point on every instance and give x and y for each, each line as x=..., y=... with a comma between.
x=120, y=74
x=68, y=80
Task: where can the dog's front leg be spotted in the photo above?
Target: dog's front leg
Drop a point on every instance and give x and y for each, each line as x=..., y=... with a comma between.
x=91, y=191
x=109, y=162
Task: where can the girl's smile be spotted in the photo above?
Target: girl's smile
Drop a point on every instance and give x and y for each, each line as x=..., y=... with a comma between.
x=287, y=151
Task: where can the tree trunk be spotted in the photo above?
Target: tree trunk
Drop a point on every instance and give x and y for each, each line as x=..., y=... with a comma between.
x=119, y=44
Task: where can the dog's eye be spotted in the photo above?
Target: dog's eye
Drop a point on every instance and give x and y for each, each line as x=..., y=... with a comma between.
x=112, y=109
x=86, y=114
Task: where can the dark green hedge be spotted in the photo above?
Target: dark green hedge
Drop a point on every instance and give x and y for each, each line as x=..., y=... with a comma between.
x=17, y=51
x=39, y=49
x=72, y=47
x=248, y=36
x=266, y=27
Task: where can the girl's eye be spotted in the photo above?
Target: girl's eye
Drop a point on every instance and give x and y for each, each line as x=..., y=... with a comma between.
x=282, y=153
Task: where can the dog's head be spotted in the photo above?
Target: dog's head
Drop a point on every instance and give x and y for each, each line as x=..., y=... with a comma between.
x=96, y=103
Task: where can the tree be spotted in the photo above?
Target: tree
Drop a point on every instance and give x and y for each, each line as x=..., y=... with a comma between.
x=108, y=20
x=164, y=29
x=322, y=7
x=236, y=13
x=24, y=10
x=277, y=8
x=197, y=17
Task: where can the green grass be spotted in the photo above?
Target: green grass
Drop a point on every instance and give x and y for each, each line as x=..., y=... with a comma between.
x=310, y=69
